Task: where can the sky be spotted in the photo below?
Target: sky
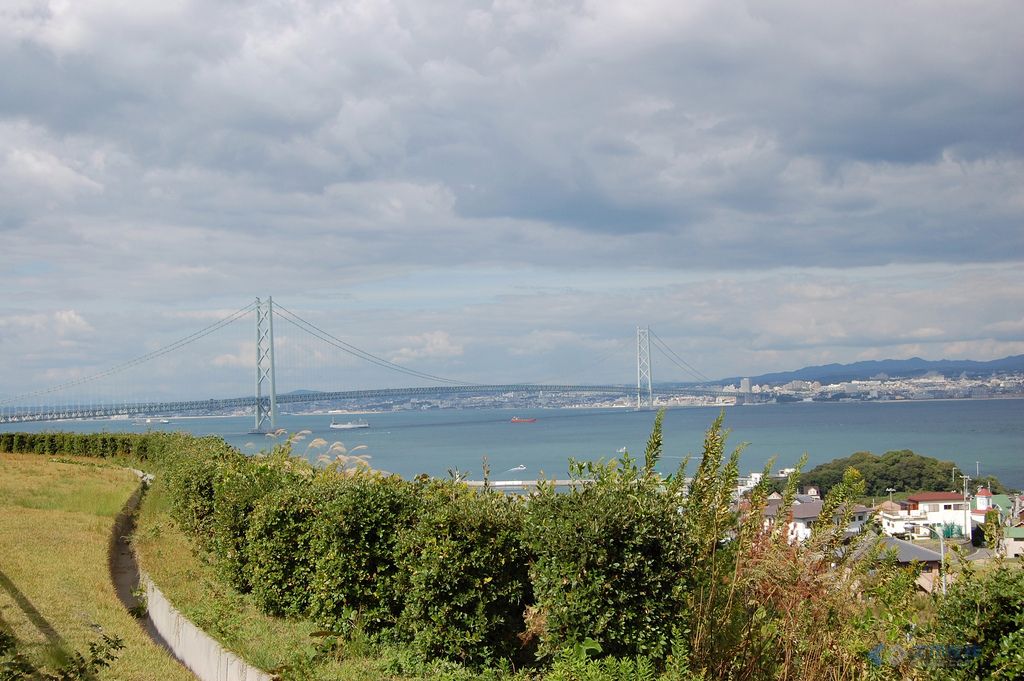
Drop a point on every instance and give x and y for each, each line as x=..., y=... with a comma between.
x=503, y=191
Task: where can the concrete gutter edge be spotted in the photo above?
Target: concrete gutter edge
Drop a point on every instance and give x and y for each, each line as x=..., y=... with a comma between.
x=196, y=649
x=193, y=647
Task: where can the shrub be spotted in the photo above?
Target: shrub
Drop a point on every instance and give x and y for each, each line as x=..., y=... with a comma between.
x=465, y=577
x=607, y=560
x=190, y=482
x=238, y=485
x=981, y=619
x=278, y=552
x=353, y=548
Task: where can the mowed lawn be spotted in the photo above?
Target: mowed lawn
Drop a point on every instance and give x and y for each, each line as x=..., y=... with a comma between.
x=56, y=595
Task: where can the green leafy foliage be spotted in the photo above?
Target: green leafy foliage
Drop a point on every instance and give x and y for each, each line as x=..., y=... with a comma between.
x=190, y=480
x=606, y=560
x=902, y=470
x=278, y=548
x=463, y=571
x=353, y=538
x=80, y=667
x=238, y=487
x=983, y=616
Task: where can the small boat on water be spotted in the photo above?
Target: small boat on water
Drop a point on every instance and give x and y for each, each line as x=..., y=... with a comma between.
x=516, y=419
x=349, y=425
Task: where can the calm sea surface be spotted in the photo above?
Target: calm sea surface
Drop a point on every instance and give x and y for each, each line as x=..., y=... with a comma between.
x=989, y=432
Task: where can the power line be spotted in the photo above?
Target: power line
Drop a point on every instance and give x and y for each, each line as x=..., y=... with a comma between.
x=336, y=342
x=187, y=340
x=677, y=360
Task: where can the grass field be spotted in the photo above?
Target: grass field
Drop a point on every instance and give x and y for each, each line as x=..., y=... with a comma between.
x=55, y=590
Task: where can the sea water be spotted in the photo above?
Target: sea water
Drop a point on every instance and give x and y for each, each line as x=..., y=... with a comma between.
x=982, y=435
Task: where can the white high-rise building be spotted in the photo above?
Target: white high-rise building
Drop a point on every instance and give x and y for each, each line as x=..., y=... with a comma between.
x=745, y=385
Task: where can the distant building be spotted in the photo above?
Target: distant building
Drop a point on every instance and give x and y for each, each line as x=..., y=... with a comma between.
x=745, y=385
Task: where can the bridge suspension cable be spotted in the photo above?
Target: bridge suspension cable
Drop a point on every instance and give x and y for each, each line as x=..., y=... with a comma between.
x=141, y=359
x=671, y=355
x=336, y=342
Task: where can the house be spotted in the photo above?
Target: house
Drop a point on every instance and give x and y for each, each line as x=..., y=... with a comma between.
x=1013, y=542
x=984, y=501
x=925, y=513
x=908, y=553
x=806, y=511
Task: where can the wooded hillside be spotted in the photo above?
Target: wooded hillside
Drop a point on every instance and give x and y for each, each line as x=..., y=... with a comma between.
x=903, y=470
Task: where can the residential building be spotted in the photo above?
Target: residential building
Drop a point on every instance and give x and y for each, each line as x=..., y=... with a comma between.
x=805, y=513
x=908, y=553
x=1013, y=542
x=923, y=512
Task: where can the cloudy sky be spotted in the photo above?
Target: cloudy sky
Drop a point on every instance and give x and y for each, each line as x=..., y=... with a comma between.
x=504, y=190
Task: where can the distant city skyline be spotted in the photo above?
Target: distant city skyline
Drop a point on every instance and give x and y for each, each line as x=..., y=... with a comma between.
x=505, y=192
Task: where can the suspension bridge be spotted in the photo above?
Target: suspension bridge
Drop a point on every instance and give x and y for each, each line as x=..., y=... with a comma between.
x=78, y=398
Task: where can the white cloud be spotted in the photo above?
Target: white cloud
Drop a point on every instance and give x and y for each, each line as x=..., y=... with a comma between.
x=430, y=345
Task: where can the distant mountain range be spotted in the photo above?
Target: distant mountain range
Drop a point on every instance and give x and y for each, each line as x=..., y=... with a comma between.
x=893, y=368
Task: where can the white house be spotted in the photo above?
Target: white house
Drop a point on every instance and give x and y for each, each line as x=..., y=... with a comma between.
x=944, y=512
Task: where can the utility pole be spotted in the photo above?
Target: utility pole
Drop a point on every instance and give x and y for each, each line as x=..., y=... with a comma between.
x=967, y=509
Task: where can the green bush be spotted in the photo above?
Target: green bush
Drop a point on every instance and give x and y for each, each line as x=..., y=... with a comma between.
x=464, y=568
x=607, y=562
x=278, y=552
x=239, y=485
x=353, y=549
x=190, y=482
x=981, y=619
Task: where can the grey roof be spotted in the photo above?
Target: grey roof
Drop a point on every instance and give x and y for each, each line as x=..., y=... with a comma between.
x=908, y=552
x=807, y=510
x=805, y=498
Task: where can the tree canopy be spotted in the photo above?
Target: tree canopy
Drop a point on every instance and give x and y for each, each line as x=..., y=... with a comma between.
x=902, y=470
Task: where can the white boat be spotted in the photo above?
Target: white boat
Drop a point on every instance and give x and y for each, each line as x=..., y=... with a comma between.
x=349, y=425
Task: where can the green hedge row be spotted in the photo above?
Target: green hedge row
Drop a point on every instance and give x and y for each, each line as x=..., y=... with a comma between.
x=78, y=444
x=467, y=575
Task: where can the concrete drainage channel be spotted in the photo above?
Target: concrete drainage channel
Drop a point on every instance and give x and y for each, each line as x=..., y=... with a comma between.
x=192, y=646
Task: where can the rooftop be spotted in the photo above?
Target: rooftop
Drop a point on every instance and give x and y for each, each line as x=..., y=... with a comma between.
x=908, y=552
x=935, y=496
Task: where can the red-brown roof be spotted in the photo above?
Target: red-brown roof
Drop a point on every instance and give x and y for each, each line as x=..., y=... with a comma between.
x=983, y=492
x=935, y=496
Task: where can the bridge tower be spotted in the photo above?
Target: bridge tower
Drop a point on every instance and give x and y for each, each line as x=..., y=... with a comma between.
x=644, y=387
x=265, y=407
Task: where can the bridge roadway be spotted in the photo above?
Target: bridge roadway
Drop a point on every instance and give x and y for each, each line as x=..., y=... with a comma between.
x=62, y=412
